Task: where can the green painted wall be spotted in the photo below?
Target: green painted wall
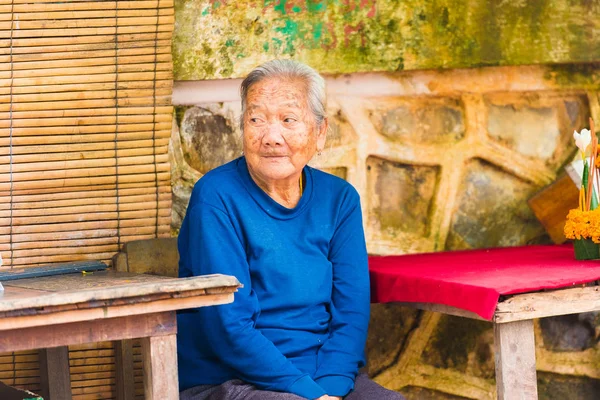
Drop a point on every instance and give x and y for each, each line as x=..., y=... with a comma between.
x=216, y=39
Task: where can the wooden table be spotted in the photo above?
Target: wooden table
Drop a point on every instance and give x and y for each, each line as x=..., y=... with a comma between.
x=73, y=309
x=513, y=332
x=507, y=286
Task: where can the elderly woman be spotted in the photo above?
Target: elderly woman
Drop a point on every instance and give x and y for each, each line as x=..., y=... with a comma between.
x=293, y=236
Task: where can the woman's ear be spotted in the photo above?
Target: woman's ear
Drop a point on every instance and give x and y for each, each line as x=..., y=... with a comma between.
x=322, y=134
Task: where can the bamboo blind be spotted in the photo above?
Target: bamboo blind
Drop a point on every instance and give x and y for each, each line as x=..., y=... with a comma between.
x=85, y=120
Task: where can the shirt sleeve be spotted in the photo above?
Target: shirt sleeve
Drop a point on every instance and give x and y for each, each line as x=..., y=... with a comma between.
x=214, y=247
x=342, y=354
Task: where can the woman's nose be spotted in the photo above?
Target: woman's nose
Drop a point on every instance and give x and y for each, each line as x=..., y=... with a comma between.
x=273, y=136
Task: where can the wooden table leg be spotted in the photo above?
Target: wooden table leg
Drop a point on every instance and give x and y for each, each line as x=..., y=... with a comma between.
x=515, y=360
x=159, y=358
x=55, y=379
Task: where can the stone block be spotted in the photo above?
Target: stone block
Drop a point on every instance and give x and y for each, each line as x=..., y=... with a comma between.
x=537, y=127
x=340, y=131
x=570, y=332
x=463, y=344
x=432, y=122
x=153, y=256
x=209, y=138
x=400, y=196
x=340, y=172
x=562, y=387
x=492, y=210
x=419, y=393
x=388, y=329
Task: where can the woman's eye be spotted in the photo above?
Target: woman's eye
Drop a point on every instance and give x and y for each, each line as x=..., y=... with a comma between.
x=289, y=120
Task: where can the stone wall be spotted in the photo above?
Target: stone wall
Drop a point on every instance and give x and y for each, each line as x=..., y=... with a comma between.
x=217, y=39
x=443, y=160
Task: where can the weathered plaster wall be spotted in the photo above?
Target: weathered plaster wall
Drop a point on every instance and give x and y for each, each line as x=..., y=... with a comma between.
x=443, y=161
x=216, y=39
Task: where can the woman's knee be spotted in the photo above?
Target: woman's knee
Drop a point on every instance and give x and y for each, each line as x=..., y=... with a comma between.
x=366, y=389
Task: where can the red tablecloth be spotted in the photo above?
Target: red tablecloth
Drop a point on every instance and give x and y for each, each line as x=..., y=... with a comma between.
x=473, y=280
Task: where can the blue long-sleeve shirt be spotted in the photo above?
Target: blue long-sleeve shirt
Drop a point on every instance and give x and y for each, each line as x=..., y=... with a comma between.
x=299, y=323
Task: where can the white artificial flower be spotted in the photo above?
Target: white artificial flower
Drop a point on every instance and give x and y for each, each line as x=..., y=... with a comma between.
x=583, y=139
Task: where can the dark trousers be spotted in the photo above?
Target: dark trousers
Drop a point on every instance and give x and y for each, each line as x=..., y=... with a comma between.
x=364, y=389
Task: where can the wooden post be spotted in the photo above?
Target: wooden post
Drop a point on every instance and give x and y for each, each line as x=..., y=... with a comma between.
x=54, y=373
x=515, y=361
x=124, y=379
x=159, y=360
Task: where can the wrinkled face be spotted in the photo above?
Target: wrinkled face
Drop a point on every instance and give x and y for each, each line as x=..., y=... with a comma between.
x=280, y=133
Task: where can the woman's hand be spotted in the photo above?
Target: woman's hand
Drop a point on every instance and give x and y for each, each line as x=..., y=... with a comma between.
x=327, y=397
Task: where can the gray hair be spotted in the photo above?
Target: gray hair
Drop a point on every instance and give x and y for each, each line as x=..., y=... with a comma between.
x=290, y=69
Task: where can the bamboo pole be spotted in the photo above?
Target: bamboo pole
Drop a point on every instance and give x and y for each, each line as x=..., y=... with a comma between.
x=85, y=129
x=99, y=194
x=73, y=104
x=91, y=31
x=88, y=138
x=60, y=258
x=72, y=50
x=80, y=51
x=86, y=121
x=90, y=78
x=79, y=22
x=102, y=204
x=85, y=150
x=88, y=216
x=63, y=251
x=78, y=170
x=121, y=68
x=41, y=6
x=90, y=112
x=96, y=186
x=89, y=87
x=82, y=61
x=49, y=156
x=55, y=207
x=86, y=180
x=112, y=207
x=86, y=95
x=75, y=227
x=25, y=15
x=121, y=40
x=63, y=168
x=32, y=246
x=95, y=230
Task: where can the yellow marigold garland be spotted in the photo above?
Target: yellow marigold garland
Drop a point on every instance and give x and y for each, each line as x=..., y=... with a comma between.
x=583, y=225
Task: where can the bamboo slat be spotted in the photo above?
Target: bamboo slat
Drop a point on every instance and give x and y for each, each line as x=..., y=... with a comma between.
x=94, y=195
x=161, y=178
x=87, y=95
x=79, y=51
x=121, y=39
x=79, y=155
x=20, y=90
x=73, y=50
x=90, y=112
x=150, y=184
x=88, y=138
x=43, y=6
x=50, y=25
x=79, y=130
x=89, y=78
x=85, y=150
x=113, y=207
x=108, y=59
x=74, y=104
x=84, y=120
x=25, y=15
